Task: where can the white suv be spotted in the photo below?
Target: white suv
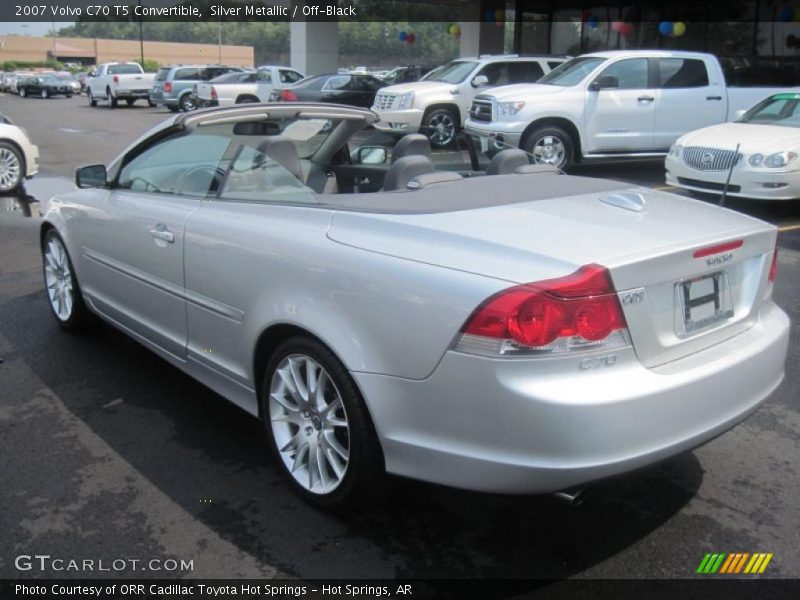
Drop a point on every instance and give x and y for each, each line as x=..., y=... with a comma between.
x=439, y=103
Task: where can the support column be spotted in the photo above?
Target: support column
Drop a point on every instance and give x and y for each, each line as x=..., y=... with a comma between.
x=314, y=46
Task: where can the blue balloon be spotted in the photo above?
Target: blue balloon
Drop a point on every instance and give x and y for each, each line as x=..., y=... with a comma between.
x=490, y=18
x=786, y=14
x=593, y=21
x=402, y=36
x=665, y=28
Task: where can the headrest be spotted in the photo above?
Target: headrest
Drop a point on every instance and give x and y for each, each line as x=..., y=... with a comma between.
x=410, y=145
x=283, y=152
x=507, y=161
x=404, y=170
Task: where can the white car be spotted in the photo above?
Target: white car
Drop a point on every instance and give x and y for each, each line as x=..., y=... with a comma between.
x=766, y=165
x=439, y=104
x=19, y=158
x=244, y=88
x=115, y=81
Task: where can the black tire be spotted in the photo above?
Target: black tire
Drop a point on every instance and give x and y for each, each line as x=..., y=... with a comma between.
x=69, y=96
x=22, y=92
x=364, y=478
x=13, y=187
x=150, y=103
x=246, y=100
x=129, y=101
x=556, y=135
x=186, y=103
x=92, y=101
x=172, y=108
x=112, y=102
x=444, y=136
x=79, y=317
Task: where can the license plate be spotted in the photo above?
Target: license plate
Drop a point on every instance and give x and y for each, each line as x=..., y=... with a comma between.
x=701, y=303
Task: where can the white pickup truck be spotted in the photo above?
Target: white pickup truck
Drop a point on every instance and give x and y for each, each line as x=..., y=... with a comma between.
x=115, y=81
x=628, y=103
x=241, y=88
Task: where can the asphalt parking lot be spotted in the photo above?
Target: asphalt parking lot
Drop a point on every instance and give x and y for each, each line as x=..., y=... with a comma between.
x=106, y=451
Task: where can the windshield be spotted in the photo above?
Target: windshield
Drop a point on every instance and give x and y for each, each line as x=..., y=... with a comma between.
x=127, y=69
x=572, y=72
x=454, y=72
x=780, y=109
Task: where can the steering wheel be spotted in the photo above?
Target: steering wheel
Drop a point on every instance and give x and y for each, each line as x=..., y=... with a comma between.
x=211, y=181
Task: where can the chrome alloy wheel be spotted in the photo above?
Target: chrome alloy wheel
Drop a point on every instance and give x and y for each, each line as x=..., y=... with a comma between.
x=58, y=278
x=550, y=150
x=309, y=424
x=10, y=169
x=443, y=128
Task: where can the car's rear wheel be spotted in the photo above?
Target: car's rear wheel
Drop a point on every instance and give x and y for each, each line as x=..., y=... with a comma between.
x=150, y=103
x=318, y=426
x=61, y=285
x=92, y=101
x=551, y=145
x=441, y=127
x=23, y=92
x=187, y=103
x=112, y=102
x=12, y=168
x=130, y=101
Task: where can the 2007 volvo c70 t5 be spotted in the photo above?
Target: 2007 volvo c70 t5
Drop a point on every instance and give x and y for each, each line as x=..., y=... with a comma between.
x=496, y=326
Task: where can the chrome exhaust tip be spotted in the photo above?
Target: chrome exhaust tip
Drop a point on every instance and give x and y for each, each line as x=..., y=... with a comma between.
x=571, y=497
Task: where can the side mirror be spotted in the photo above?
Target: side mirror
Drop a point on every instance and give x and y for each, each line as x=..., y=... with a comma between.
x=91, y=176
x=480, y=81
x=604, y=82
x=371, y=155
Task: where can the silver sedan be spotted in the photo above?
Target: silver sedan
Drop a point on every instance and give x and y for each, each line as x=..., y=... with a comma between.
x=504, y=328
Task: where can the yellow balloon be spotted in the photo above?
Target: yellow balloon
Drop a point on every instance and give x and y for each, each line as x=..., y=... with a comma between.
x=678, y=29
x=500, y=15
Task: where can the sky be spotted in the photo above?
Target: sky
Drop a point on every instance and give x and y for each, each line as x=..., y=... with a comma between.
x=33, y=28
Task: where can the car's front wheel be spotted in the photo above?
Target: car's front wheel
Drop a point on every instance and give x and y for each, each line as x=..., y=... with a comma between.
x=187, y=103
x=92, y=100
x=112, y=101
x=441, y=127
x=12, y=168
x=552, y=146
x=318, y=426
x=61, y=284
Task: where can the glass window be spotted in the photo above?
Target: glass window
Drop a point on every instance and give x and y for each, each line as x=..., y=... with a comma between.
x=780, y=109
x=256, y=177
x=369, y=84
x=630, y=73
x=339, y=82
x=162, y=74
x=264, y=76
x=524, y=72
x=312, y=83
x=454, y=72
x=572, y=72
x=185, y=74
x=126, y=69
x=289, y=76
x=496, y=73
x=186, y=163
x=682, y=73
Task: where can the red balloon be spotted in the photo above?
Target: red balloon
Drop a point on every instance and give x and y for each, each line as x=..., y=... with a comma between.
x=617, y=26
x=410, y=38
x=585, y=15
x=626, y=30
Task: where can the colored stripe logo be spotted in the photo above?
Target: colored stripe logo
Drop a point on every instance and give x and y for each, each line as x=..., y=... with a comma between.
x=734, y=563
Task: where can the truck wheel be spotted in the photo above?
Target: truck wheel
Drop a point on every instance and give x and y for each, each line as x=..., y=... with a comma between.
x=112, y=102
x=92, y=101
x=187, y=103
x=552, y=146
x=150, y=103
x=130, y=101
x=441, y=127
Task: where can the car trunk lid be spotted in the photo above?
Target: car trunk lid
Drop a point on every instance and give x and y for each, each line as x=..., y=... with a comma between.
x=652, y=254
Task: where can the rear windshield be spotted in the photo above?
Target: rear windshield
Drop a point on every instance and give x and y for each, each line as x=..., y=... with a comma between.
x=127, y=69
x=162, y=74
x=234, y=78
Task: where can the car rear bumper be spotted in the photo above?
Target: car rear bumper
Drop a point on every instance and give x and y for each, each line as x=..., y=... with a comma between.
x=537, y=426
x=759, y=184
x=139, y=94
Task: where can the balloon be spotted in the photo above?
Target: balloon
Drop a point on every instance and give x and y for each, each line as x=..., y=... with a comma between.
x=616, y=26
x=626, y=29
x=402, y=36
x=678, y=29
x=410, y=38
x=786, y=14
x=453, y=29
x=490, y=16
x=665, y=28
x=500, y=15
x=593, y=21
x=585, y=15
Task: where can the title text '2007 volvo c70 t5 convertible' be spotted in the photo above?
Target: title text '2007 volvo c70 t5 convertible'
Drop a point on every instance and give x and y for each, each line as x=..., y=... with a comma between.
x=505, y=329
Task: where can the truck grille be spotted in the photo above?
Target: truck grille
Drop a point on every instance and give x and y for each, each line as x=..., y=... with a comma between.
x=384, y=101
x=710, y=159
x=481, y=110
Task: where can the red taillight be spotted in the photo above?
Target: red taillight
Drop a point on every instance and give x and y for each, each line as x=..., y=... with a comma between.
x=582, y=304
x=213, y=93
x=116, y=79
x=288, y=96
x=168, y=87
x=719, y=248
x=773, y=269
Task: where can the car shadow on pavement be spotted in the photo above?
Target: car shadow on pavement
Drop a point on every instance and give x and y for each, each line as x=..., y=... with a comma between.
x=211, y=459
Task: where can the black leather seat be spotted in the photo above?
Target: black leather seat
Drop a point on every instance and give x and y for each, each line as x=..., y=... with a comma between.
x=404, y=169
x=507, y=161
x=413, y=144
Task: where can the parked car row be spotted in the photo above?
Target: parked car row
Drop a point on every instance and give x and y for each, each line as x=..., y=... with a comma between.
x=45, y=84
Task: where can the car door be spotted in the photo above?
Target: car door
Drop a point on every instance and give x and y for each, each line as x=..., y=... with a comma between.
x=620, y=114
x=340, y=89
x=265, y=85
x=688, y=97
x=134, y=240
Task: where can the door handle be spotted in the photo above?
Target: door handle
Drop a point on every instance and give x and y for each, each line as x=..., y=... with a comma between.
x=645, y=98
x=713, y=97
x=162, y=232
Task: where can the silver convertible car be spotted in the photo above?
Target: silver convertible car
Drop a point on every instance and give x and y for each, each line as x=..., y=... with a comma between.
x=505, y=328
